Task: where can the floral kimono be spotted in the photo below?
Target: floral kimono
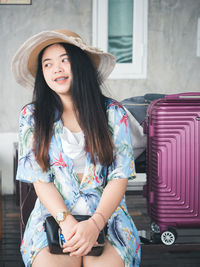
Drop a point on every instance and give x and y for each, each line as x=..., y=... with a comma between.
x=122, y=233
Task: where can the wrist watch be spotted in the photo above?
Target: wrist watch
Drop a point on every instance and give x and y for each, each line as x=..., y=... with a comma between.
x=61, y=216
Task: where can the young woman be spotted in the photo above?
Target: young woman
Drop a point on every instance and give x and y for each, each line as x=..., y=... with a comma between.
x=75, y=147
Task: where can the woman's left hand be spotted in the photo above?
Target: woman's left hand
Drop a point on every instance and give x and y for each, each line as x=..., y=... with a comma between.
x=81, y=239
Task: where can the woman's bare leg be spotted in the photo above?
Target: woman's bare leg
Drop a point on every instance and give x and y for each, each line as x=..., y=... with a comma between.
x=45, y=258
x=108, y=258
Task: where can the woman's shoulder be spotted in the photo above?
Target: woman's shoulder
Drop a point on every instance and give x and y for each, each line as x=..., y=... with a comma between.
x=113, y=105
x=26, y=115
x=28, y=109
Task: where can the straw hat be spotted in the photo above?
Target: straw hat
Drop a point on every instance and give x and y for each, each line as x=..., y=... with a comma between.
x=24, y=62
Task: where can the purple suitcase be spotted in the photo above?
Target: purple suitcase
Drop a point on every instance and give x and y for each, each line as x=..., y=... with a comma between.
x=173, y=164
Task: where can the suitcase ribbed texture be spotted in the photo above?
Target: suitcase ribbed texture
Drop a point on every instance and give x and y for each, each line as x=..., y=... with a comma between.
x=173, y=162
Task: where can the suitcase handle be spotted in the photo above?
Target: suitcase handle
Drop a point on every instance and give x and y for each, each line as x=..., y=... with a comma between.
x=183, y=95
x=174, y=96
x=149, y=109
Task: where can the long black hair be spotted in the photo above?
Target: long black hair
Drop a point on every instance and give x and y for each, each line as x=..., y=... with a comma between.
x=89, y=107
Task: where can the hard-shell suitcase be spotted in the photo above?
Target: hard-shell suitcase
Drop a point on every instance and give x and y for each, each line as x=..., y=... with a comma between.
x=172, y=190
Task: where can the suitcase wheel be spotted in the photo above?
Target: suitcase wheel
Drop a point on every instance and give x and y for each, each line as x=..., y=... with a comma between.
x=155, y=228
x=169, y=236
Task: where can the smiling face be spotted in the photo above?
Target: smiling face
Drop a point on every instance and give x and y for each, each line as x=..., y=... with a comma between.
x=56, y=69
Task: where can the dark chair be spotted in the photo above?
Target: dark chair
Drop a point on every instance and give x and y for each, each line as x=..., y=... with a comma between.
x=27, y=198
x=0, y=208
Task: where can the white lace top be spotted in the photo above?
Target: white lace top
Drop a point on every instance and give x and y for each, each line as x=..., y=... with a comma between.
x=74, y=147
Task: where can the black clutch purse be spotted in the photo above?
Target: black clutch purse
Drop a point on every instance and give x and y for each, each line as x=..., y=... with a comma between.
x=55, y=242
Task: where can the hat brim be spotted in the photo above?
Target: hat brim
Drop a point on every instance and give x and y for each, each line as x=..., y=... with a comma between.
x=24, y=63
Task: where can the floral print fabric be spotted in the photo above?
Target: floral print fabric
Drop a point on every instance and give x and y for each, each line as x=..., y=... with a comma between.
x=122, y=233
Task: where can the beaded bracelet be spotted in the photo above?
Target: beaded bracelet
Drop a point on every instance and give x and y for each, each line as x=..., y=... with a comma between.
x=99, y=213
x=95, y=224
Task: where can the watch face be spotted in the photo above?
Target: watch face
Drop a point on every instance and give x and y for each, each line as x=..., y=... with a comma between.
x=60, y=216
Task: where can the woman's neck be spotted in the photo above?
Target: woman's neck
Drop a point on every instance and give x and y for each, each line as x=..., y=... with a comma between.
x=67, y=103
x=69, y=117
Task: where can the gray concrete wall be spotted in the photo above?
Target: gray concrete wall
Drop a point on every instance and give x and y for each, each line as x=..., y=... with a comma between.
x=172, y=63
